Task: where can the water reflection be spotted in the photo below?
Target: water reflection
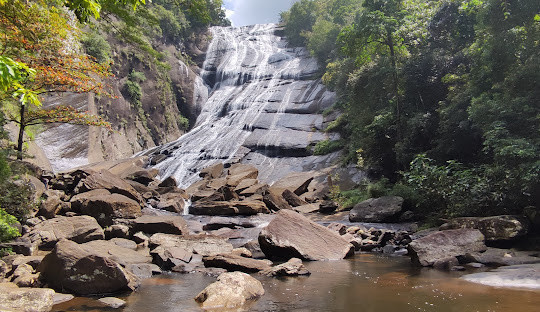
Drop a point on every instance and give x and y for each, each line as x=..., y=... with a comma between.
x=366, y=282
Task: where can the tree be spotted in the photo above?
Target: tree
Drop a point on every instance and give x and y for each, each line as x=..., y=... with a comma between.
x=40, y=49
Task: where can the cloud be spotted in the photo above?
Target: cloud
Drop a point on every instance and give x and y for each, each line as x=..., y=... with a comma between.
x=249, y=12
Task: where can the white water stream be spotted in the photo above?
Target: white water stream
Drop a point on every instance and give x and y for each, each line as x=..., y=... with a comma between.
x=259, y=91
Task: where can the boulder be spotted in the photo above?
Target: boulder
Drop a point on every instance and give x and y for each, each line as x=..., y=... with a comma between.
x=173, y=202
x=144, y=177
x=441, y=245
x=51, y=205
x=106, y=207
x=212, y=172
x=216, y=223
x=274, y=200
x=496, y=228
x=168, y=182
x=297, y=183
x=383, y=209
x=117, y=230
x=168, y=257
x=293, y=267
x=79, y=229
x=24, y=276
x=13, y=298
x=118, y=251
x=245, y=184
x=202, y=245
x=228, y=208
x=231, y=291
x=232, y=262
x=160, y=224
x=290, y=235
x=328, y=206
x=79, y=270
x=309, y=208
x=339, y=228
x=292, y=198
x=254, y=189
x=103, y=179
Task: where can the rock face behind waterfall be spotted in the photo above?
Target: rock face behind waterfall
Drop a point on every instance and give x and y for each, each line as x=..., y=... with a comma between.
x=263, y=109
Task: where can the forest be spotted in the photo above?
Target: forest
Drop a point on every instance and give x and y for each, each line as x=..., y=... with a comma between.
x=439, y=99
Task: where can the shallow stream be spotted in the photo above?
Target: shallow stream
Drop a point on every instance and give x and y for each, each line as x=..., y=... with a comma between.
x=367, y=282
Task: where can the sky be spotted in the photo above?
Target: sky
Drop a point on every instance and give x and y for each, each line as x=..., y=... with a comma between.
x=249, y=12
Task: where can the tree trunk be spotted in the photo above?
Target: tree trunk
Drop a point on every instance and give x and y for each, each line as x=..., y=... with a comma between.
x=22, y=125
x=390, y=43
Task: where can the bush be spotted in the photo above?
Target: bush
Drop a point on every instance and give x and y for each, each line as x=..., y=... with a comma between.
x=95, y=45
x=16, y=198
x=182, y=122
x=8, y=230
x=327, y=147
x=377, y=189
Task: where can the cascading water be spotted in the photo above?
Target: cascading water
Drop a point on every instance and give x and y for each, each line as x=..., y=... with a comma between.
x=263, y=106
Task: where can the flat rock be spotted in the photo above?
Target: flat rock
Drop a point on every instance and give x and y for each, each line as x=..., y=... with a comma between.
x=293, y=267
x=216, y=223
x=13, y=298
x=291, y=235
x=160, y=224
x=232, y=262
x=495, y=228
x=296, y=182
x=441, y=245
x=309, y=208
x=383, y=209
x=112, y=302
x=496, y=256
x=522, y=276
x=228, y=208
x=105, y=180
x=117, y=252
x=79, y=229
x=231, y=291
x=106, y=207
x=202, y=245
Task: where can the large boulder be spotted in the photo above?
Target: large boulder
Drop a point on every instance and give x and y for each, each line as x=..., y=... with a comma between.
x=498, y=257
x=232, y=262
x=160, y=224
x=496, y=228
x=106, y=207
x=383, y=209
x=92, y=180
x=228, y=208
x=13, y=298
x=296, y=182
x=80, y=229
x=443, y=245
x=290, y=235
x=231, y=291
x=80, y=270
x=274, y=200
x=118, y=251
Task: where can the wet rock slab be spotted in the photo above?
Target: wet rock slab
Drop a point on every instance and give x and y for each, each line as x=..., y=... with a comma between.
x=523, y=276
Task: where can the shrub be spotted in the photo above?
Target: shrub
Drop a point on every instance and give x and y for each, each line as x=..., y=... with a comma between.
x=182, y=122
x=326, y=147
x=16, y=198
x=8, y=230
x=95, y=45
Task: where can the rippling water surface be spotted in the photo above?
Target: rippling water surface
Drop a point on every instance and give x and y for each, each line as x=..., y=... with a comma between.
x=366, y=282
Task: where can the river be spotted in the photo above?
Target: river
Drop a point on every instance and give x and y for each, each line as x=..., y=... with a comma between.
x=367, y=282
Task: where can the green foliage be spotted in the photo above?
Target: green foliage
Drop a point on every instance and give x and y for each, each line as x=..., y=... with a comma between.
x=432, y=78
x=182, y=122
x=16, y=198
x=8, y=230
x=326, y=147
x=347, y=199
x=95, y=45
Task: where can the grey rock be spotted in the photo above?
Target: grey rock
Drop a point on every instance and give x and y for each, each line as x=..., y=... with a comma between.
x=112, y=302
x=442, y=245
x=13, y=298
x=232, y=262
x=496, y=256
x=293, y=267
x=383, y=209
x=160, y=224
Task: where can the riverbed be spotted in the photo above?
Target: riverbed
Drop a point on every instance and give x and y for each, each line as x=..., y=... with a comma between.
x=366, y=282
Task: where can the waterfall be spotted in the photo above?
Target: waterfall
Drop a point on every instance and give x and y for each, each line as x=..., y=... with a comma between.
x=263, y=105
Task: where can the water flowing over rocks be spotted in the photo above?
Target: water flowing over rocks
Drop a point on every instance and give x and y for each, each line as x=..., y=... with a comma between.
x=263, y=109
x=522, y=276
